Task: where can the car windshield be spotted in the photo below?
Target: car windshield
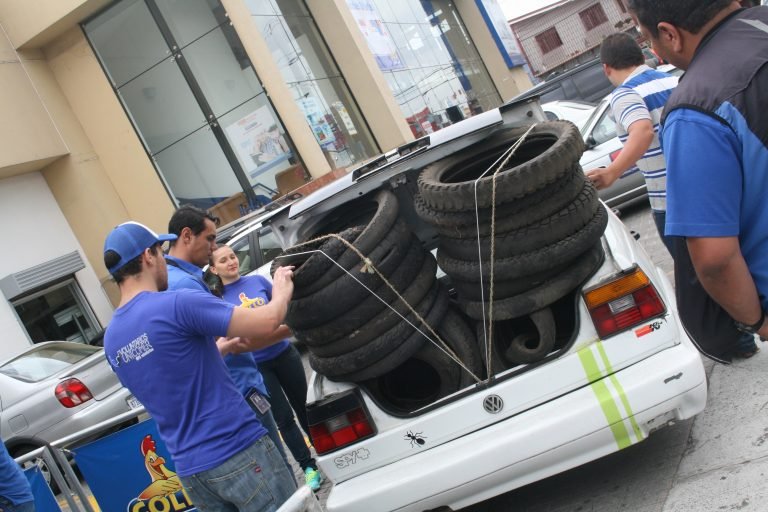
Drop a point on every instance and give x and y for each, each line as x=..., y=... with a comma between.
x=40, y=363
x=586, y=124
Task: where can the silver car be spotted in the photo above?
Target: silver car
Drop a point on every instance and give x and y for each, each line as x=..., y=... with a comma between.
x=55, y=389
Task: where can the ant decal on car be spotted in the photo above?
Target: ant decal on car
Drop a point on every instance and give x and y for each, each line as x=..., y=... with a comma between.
x=415, y=438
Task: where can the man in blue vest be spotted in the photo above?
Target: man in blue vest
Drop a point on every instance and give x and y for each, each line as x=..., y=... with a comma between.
x=195, y=230
x=715, y=138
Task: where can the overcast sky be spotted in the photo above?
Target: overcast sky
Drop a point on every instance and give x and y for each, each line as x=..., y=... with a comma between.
x=515, y=8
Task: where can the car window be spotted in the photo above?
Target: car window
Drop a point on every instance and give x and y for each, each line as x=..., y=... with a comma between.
x=269, y=245
x=43, y=362
x=605, y=129
x=242, y=249
x=550, y=115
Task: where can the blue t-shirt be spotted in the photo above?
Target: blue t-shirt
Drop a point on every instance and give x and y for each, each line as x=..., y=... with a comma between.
x=710, y=193
x=251, y=292
x=183, y=274
x=161, y=348
x=245, y=373
x=13, y=484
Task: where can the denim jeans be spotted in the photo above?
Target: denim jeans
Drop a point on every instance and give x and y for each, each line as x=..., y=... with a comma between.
x=254, y=480
x=287, y=385
x=7, y=506
x=268, y=421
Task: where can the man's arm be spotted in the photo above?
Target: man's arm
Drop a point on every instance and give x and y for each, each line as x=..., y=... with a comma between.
x=724, y=274
x=261, y=325
x=639, y=140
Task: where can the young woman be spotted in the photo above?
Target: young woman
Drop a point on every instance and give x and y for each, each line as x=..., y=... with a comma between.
x=280, y=364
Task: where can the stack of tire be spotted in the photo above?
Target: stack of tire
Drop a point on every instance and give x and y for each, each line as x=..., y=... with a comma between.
x=548, y=224
x=351, y=334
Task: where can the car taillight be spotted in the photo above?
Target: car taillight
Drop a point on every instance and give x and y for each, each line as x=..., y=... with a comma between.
x=613, y=156
x=625, y=301
x=338, y=421
x=72, y=392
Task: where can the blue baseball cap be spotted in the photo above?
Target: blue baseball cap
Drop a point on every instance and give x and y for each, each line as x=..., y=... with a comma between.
x=130, y=239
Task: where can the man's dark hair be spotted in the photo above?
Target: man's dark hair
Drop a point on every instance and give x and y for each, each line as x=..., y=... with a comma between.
x=191, y=217
x=131, y=268
x=689, y=15
x=621, y=51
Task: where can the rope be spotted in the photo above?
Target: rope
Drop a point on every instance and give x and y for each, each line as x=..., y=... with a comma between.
x=370, y=268
x=489, y=332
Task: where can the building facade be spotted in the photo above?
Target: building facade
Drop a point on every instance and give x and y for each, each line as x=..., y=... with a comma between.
x=123, y=110
x=568, y=33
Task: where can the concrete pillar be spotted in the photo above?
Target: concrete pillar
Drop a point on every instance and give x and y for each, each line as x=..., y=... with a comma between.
x=359, y=68
x=269, y=73
x=508, y=82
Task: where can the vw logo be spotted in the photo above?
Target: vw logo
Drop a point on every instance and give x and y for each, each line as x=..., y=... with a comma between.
x=493, y=404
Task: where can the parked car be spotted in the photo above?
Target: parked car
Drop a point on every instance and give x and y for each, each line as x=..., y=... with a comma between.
x=423, y=435
x=586, y=82
x=55, y=389
x=576, y=112
x=603, y=146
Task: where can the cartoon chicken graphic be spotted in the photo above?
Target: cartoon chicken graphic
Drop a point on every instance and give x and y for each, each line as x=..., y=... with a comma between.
x=164, y=481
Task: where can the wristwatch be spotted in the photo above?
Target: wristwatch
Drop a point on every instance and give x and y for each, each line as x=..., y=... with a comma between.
x=751, y=329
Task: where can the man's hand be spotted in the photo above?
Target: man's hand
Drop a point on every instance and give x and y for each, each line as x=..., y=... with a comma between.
x=282, y=284
x=236, y=345
x=603, y=177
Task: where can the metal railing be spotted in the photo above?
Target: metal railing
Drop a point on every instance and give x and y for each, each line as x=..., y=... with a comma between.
x=54, y=456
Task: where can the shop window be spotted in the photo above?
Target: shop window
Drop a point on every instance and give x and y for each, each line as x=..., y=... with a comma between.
x=186, y=82
x=57, y=313
x=593, y=16
x=318, y=88
x=430, y=63
x=549, y=40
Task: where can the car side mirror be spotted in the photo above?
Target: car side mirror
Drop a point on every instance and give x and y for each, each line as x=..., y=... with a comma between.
x=591, y=143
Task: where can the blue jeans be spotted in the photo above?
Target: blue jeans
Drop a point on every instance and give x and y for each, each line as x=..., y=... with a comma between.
x=268, y=421
x=7, y=506
x=287, y=385
x=256, y=479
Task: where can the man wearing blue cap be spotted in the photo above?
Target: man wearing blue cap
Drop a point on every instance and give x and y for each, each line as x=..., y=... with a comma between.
x=161, y=346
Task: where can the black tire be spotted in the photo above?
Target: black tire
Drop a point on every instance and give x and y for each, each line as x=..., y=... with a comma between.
x=311, y=278
x=402, y=353
x=313, y=265
x=549, y=151
x=430, y=374
x=531, y=262
x=355, y=332
x=366, y=354
x=509, y=215
x=344, y=292
x=544, y=294
x=533, y=345
x=470, y=290
x=532, y=237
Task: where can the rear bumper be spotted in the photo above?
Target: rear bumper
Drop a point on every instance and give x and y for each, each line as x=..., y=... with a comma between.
x=541, y=442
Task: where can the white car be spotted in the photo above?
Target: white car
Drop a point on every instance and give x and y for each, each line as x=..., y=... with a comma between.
x=627, y=369
x=576, y=112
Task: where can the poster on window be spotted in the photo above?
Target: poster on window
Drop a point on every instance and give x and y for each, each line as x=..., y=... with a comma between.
x=375, y=32
x=501, y=32
x=258, y=141
x=315, y=115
